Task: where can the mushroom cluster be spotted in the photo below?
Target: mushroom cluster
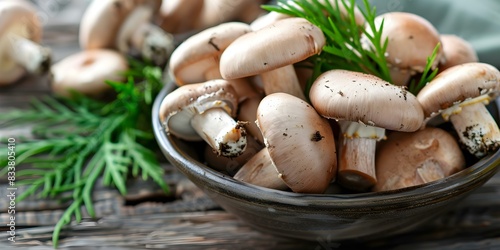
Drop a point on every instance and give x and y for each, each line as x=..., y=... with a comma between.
x=353, y=129
x=20, y=35
x=112, y=31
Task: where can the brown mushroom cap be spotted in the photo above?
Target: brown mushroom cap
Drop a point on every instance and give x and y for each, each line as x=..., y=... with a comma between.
x=178, y=107
x=283, y=43
x=456, y=51
x=365, y=98
x=411, y=40
x=199, y=53
x=409, y=159
x=457, y=84
x=172, y=15
x=300, y=142
x=102, y=20
x=86, y=72
x=259, y=170
x=20, y=17
x=215, y=12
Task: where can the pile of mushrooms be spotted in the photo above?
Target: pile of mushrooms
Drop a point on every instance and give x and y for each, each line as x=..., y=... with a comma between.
x=354, y=129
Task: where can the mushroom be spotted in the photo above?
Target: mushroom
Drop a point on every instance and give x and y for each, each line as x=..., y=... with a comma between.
x=267, y=19
x=197, y=58
x=125, y=25
x=460, y=94
x=456, y=51
x=411, y=40
x=205, y=111
x=171, y=16
x=410, y=159
x=365, y=106
x=20, y=34
x=271, y=52
x=86, y=72
x=300, y=142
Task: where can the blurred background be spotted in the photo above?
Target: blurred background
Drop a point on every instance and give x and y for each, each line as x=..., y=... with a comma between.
x=475, y=21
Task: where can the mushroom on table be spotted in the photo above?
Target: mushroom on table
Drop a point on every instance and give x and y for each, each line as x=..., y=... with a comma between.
x=365, y=106
x=171, y=16
x=205, y=111
x=300, y=145
x=127, y=26
x=410, y=159
x=459, y=94
x=20, y=34
x=86, y=72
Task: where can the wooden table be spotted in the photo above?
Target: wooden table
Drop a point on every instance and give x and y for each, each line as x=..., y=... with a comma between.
x=187, y=219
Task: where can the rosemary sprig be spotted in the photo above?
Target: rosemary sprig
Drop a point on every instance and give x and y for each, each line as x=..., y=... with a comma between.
x=427, y=75
x=344, y=48
x=78, y=140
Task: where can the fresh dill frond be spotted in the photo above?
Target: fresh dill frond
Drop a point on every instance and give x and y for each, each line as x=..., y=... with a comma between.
x=76, y=141
x=344, y=48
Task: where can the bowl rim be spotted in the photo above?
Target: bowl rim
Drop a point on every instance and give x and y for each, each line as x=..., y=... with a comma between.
x=448, y=186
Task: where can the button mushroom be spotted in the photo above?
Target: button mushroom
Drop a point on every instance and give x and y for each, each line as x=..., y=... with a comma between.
x=197, y=58
x=20, y=34
x=411, y=40
x=272, y=16
x=205, y=111
x=125, y=25
x=410, y=159
x=86, y=72
x=456, y=51
x=459, y=94
x=171, y=16
x=230, y=166
x=365, y=105
x=271, y=52
x=300, y=142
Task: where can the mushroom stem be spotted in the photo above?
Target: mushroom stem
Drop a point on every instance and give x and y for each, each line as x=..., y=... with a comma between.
x=356, y=167
x=225, y=135
x=33, y=57
x=151, y=42
x=476, y=128
x=284, y=80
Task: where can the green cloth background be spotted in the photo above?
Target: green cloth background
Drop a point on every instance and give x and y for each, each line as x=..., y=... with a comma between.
x=476, y=21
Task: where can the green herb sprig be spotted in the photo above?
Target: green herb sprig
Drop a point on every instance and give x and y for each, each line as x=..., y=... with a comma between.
x=79, y=140
x=344, y=48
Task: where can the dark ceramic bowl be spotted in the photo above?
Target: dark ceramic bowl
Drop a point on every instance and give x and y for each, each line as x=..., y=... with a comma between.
x=313, y=217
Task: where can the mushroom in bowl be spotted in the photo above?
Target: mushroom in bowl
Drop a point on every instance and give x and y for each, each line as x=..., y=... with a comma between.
x=332, y=216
